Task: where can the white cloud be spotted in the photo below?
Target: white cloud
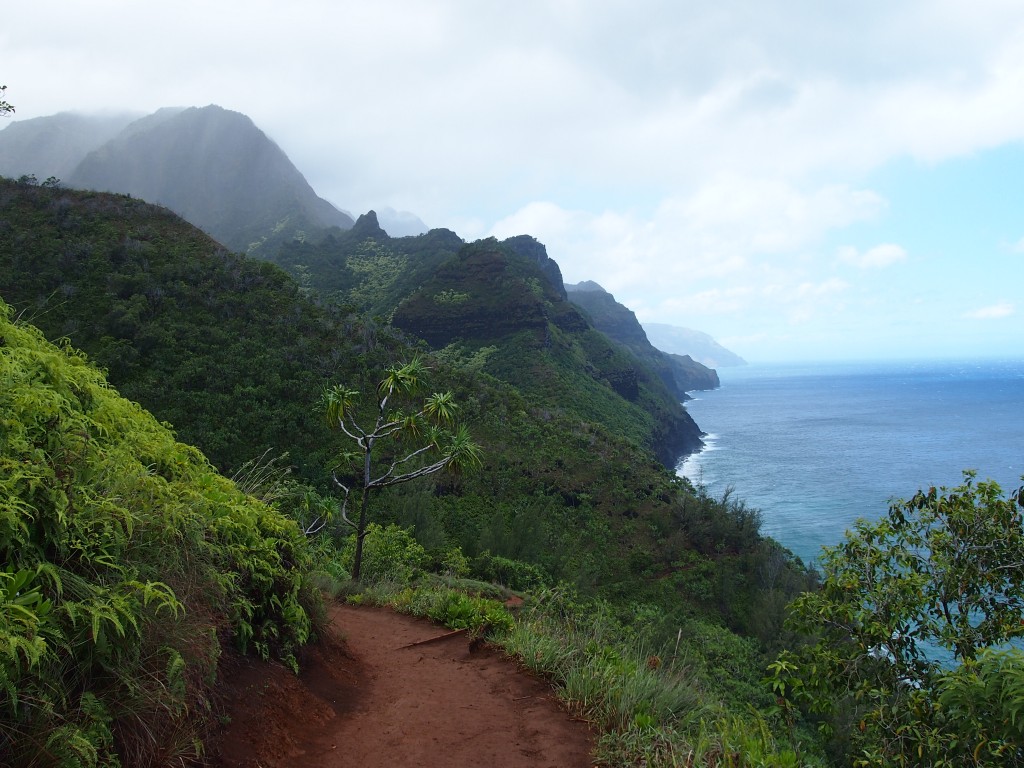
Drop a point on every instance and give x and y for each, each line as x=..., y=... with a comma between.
x=729, y=227
x=993, y=312
x=439, y=107
x=687, y=156
x=874, y=258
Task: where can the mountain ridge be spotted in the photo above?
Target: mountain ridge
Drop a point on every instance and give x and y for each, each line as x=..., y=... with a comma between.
x=680, y=373
x=212, y=166
x=698, y=345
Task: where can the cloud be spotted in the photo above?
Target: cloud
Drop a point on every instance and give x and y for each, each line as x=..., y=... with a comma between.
x=445, y=107
x=880, y=256
x=993, y=312
x=731, y=226
x=689, y=157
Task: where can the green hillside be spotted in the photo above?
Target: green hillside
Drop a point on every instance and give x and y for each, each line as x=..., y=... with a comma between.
x=128, y=567
x=680, y=373
x=224, y=348
x=501, y=306
x=234, y=354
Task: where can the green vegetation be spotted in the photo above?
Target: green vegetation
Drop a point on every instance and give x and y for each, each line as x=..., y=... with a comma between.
x=434, y=447
x=364, y=268
x=543, y=345
x=236, y=355
x=128, y=567
x=228, y=350
x=506, y=297
x=939, y=581
x=678, y=373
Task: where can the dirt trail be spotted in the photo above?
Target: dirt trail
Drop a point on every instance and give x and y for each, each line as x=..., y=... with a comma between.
x=369, y=702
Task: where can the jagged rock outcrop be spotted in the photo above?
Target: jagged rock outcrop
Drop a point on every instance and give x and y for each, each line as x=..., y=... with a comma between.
x=530, y=248
x=366, y=226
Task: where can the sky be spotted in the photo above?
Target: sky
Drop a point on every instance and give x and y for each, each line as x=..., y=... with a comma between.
x=802, y=179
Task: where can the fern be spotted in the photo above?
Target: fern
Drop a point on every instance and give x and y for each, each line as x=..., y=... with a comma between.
x=121, y=548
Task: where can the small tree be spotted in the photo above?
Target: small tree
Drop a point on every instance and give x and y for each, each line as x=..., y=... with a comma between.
x=937, y=583
x=410, y=438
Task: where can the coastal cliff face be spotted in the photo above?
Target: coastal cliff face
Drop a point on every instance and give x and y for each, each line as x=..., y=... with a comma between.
x=680, y=373
x=695, y=344
x=692, y=376
x=506, y=299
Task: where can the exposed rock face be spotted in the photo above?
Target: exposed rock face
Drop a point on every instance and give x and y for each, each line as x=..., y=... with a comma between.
x=510, y=296
x=530, y=248
x=693, y=376
x=367, y=226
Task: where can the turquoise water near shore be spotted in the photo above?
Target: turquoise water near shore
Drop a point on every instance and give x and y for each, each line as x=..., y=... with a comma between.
x=816, y=446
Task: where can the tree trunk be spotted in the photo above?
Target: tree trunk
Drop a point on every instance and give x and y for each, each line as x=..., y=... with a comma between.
x=357, y=565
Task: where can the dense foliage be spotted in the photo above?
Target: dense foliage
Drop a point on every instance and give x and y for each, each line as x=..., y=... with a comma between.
x=226, y=349
x=128, y=564
x=503, y=307
x=236, y=355
x=936, y=585
x=491, y=297
x=363, y=267
x=681, y=374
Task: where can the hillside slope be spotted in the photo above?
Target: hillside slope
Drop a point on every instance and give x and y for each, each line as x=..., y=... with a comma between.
x=54, y=145
x=214, y=168
x=681, y=374
x=235, y=355
x=502, y=307
x=130, y=567
x=494, y=298
x=224, y=348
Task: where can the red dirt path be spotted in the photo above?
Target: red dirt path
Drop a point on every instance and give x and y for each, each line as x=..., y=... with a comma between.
x=364, y=701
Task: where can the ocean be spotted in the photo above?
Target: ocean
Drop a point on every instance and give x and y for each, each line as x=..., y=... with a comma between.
x=817, y=446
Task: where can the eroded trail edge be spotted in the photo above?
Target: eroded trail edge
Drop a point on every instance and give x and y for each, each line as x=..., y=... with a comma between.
x=374, y=700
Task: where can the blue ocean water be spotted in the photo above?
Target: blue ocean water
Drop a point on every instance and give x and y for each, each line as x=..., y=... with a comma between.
x=815, y=447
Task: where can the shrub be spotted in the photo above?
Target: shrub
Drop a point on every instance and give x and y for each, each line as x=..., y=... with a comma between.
x=514, y=574
x=127, y=562
x=390, y=554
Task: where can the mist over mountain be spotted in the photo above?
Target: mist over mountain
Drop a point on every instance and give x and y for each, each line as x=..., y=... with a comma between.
x=56, y=144
x=697, y=344
x=216, y=169
x=400, y=223
x=220, y=172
